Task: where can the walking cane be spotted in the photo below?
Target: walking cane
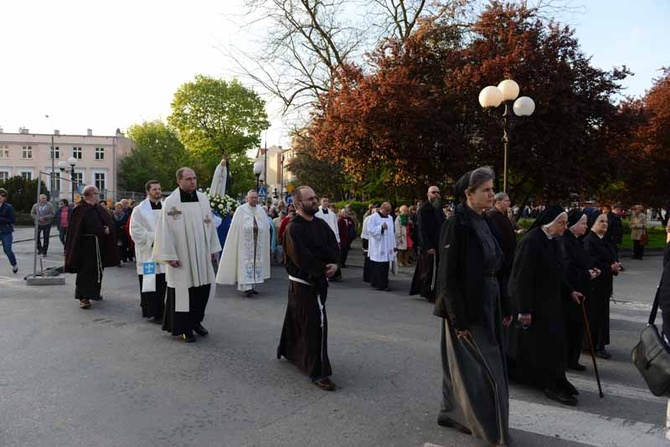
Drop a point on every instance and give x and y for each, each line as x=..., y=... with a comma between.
x=591, y=350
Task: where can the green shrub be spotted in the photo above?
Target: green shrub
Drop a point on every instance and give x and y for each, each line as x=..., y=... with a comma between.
x=23, y=219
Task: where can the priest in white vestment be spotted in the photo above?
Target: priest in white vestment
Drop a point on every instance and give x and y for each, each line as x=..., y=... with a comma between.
x=381, y=247
x=151, y=274
x=246, y=254
x=330, y=217
x=326, y=214
x=186, y=241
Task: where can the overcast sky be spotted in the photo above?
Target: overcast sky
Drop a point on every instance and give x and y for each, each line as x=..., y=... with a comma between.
x=107, y=65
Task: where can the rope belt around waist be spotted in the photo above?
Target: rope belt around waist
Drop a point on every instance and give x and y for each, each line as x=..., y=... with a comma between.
x=301, y=281
x=318, y=297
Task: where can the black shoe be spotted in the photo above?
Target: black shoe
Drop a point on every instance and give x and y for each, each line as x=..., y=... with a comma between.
x=156, y=320
x=444, y=421
x=254, y=291
x=344, y=266
x=188, y=337
x=200, y=330
x=560, y=396
x=569, y=388
x=577, y=367
x=603, y=354
x=247, y=293
x=98, y=298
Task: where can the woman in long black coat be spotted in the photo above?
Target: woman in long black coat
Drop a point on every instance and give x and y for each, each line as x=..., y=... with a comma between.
x=472, y=303
x=537, y=343
x=602, y=255
x=579, y=273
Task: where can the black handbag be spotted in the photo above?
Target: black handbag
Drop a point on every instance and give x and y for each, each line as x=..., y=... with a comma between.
x=651, y=356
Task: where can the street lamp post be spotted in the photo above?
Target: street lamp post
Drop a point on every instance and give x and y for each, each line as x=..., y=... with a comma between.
x=63, y=165
x=258, y=170
x=506, y=92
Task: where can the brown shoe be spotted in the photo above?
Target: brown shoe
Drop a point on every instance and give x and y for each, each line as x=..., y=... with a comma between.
x=326, y=384
x=84, y=304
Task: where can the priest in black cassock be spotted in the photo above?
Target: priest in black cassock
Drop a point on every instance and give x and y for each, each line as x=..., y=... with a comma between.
x=311, y=253
x=537, y=343
x=430, y=218
x=89, y=246
x=187, y=243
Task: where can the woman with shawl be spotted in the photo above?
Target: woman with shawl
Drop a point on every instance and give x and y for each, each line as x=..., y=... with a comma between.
x=537, y=344
x=472, y=303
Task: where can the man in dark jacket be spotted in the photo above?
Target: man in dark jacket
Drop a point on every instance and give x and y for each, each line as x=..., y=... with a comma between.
x=614, y=228
x=7, y=220
x=429, y=223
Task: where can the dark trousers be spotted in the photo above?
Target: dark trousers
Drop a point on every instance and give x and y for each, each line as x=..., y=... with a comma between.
x=638, y=250
x=43, y=232
x=379, y=275
x=7, y=239
x=61, y=235
x=344, y=252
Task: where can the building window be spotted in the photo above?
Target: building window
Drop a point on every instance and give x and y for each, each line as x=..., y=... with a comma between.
x=4, y=152
x=27, y=175
x=4, y=176
x=99, y=178
x=57, y=181
x=76, y=153
x=55, y=152
x=99, y=153
x=77, y=180
x=27, y=152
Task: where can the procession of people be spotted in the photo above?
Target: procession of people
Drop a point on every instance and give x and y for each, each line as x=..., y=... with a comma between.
x=511, y=304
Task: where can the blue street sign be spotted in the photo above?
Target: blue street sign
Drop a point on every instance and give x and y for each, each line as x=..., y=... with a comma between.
x=288, y=199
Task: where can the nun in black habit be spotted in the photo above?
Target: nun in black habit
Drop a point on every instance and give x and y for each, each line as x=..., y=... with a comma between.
x=537, y=343
x=471, y=302
x=602, y=255
x=579, y=273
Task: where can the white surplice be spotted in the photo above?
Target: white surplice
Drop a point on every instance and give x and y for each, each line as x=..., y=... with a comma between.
x=381, y=246
x=331, y=219
x=185, y=232
x=142, y=230
x=246, y=259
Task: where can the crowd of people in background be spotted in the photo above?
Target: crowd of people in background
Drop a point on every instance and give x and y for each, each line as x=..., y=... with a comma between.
x=511, y=300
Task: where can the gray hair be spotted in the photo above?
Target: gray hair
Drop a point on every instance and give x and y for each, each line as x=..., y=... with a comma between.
x=500, y=196
x=480, y=176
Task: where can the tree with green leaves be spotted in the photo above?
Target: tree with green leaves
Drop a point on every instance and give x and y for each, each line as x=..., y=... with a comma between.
x=157, y=155
x=22, y=193
x=218, y=116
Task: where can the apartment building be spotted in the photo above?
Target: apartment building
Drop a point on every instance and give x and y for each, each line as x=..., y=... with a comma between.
x=95, y=159
x=276, y=176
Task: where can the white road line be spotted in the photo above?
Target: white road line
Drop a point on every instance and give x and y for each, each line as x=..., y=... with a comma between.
x=630, y=318
x=587, y=428
x=583, y=427
x=590, y=385
x=632, y=305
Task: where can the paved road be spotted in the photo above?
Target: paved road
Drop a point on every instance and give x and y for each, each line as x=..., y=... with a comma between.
x=105, y=377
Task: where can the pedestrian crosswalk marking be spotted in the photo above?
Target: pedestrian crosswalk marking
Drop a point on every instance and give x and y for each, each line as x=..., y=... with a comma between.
x=589, y=385
x=586, y=428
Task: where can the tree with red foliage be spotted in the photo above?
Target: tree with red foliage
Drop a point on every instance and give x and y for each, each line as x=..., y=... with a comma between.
x=417, y=111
